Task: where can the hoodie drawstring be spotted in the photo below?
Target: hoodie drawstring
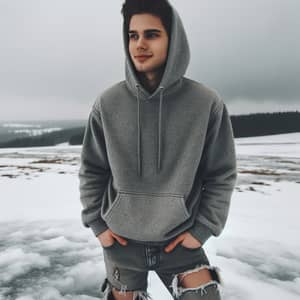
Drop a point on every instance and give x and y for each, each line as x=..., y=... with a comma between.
x=159, y=128
x=159, y=142
x=139, y=132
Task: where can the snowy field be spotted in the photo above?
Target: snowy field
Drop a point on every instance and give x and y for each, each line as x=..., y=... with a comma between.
x=47, y=254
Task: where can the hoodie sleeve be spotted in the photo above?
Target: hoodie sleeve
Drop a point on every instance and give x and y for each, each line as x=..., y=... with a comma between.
x=94, y=173
x=218, y=164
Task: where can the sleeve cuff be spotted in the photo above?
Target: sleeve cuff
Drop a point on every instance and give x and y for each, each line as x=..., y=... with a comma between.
x=200, y=232
x=98, y=227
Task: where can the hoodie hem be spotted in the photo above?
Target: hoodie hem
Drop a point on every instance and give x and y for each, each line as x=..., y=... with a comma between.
x=98, y=227
x=200, y=232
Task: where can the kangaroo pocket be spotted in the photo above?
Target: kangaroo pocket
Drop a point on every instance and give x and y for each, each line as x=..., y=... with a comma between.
x=145, y=217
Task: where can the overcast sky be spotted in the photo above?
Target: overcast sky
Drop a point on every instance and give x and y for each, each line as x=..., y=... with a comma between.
x=56, y=56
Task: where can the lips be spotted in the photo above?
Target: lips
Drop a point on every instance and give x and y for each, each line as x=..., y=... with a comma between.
x=142, y=57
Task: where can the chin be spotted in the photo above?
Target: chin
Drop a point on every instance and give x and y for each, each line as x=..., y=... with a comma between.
x=143, y=69
x=146, y=69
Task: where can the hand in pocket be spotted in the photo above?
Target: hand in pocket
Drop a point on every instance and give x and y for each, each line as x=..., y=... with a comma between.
x=107, y=238
x=186, y=240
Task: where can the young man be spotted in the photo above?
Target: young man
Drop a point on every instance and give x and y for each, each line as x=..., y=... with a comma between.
x=158, y=164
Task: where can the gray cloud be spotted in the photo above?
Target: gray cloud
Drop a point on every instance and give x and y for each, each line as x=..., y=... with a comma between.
x=60, y=54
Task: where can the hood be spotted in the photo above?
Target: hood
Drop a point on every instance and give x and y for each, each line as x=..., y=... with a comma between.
x=175, y=68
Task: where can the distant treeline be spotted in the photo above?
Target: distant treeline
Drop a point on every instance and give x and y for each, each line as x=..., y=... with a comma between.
x=265, y=123
x=72, y=136
x=243, y=126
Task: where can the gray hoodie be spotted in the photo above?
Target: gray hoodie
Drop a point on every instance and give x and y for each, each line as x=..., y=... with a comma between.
x=154, y=165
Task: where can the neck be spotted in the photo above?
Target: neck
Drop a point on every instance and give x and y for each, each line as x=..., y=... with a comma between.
x=151, y=80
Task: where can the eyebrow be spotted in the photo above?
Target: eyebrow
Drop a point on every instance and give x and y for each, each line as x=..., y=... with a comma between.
x=145, y=31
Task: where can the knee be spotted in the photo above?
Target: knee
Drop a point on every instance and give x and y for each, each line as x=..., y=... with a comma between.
x=112, y=293
x=122, y=295
x=202, y=279
x=129, y=295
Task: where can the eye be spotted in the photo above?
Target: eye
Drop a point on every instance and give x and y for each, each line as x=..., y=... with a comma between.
x=151, y=35
x=133, y=36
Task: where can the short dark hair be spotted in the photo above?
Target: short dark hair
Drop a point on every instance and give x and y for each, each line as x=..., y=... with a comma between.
x=159, y=8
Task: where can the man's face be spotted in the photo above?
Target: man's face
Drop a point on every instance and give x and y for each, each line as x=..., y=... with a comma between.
x=148, y=42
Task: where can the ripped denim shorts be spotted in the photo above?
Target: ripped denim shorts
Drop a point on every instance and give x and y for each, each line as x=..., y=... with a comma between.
x=127, y=270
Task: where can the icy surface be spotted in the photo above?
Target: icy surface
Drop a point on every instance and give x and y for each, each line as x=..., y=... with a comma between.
x=46, y=253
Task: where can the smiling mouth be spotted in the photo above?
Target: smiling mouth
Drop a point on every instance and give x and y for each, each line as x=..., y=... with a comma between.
x=142, y=57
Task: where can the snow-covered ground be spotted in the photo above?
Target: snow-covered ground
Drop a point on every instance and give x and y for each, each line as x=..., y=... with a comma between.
x=47, y=254
x=28, y=129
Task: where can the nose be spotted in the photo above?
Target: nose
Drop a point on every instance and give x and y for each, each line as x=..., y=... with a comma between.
x=141, y=43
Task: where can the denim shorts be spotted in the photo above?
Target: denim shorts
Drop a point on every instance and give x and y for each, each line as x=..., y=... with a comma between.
x=127, y=269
